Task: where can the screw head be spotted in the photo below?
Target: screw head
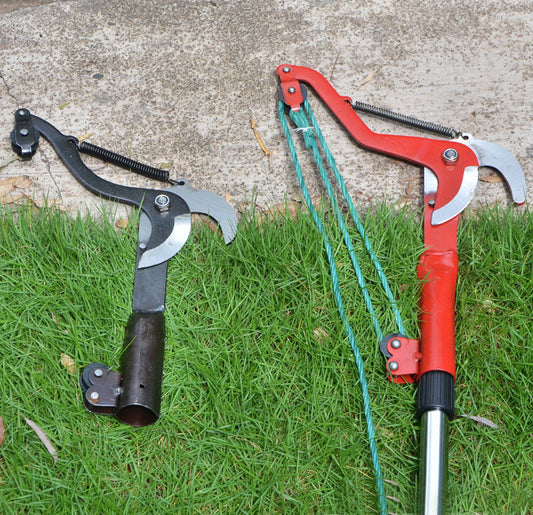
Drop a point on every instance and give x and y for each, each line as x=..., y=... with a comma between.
x=450, y=156
x=393, y=365
x=395, y=344
x=98, y=373
x=94, y=396
x=162, y=202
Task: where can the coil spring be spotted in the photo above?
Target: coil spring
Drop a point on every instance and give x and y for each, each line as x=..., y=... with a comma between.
x=124, y=162
x=406, y=120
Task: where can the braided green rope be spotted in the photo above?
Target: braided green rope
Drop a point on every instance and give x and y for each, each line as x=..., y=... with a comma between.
x=340, y=306
x=357, y=222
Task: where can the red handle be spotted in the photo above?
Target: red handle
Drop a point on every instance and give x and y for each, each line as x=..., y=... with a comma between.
x=438, y=272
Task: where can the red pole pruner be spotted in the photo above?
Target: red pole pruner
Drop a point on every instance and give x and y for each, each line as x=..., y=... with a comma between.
x=450, y=179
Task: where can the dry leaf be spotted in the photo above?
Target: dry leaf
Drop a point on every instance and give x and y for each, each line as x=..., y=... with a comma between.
x=491, y=178
x=166, y=165
x=43, y=437
x=12, y=183
x=68, y=363
x=320, y=334
x=395, y=499
x=369, y=77
x=2, y=431
x=482, y=421
x=121, y=223
x=227, y=196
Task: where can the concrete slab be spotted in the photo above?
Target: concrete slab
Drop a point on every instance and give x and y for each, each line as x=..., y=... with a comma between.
x=178, y=82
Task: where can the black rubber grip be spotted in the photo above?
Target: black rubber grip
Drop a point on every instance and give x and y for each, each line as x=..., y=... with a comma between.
x=436, y=390
x=142, y=369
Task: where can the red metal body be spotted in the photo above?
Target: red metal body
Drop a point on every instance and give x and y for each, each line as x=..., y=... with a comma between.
x=437, y=268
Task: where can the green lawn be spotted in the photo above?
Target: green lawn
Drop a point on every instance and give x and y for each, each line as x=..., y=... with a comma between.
x=262, y=409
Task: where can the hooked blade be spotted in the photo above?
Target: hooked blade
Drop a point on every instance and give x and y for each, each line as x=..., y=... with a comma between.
x=171, y=246
x=497, y=157
x=461, y=199
x=209, y=203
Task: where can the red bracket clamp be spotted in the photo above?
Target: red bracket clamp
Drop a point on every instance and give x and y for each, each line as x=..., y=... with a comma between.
x=403, y=356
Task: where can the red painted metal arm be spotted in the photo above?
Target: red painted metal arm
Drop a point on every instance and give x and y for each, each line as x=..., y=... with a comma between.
x=425, y=152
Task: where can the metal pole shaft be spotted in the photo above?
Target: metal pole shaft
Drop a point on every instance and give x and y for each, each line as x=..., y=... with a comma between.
x=433, y=462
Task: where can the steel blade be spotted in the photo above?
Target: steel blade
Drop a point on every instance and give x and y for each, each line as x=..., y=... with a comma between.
x=497, y=157
x=171, y=246
x=211, y=204
x=461, y=199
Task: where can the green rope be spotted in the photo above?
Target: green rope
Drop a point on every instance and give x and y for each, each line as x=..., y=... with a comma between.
x=301, y=119
x=357, y=222
x=340, y=306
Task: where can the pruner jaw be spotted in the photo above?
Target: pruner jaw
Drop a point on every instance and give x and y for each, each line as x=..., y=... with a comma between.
x=208, y=203
x=487, y=154
x=496, y=157
x=197, y=201
x=460, y=201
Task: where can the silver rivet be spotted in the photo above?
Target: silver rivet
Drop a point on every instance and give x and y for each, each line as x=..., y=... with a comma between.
x=142, y=245
x=24, y=132
x=98, y=372
x=396, y=344
x=393, y=365
x=162, y=202
x=450, y=156
x=286, y=69
x=431, y=202
x=94, y=396
x=118, y=391
x=292, y=90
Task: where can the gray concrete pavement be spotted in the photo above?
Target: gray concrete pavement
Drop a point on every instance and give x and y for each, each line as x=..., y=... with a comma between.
x=178, y=82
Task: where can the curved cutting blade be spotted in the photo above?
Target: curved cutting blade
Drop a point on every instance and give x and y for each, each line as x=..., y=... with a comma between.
x=211, y=204
x=494, y=156
x=171, y=246
x=461, y=199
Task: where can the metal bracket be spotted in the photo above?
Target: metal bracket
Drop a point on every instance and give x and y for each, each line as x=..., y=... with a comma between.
x=101, y=388
x=403, y=356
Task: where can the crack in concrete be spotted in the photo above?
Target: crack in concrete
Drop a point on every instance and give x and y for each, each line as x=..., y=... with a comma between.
x=47, y=163
x=8, y=89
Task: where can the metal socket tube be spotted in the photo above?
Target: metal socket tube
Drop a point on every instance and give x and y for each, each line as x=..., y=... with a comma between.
x=142, y=369
x=433, y=476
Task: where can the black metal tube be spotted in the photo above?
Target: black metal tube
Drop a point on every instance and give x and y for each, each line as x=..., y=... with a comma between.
x=142, y=369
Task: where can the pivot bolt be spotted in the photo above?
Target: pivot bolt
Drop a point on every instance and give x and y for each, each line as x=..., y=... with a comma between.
x=393, y=365
x=162, y=203
x=450, y=156
x=291, y=90
x=94, y=396
x=24, y=132
x=98, y=373
x=286, y=69
x=395, y=344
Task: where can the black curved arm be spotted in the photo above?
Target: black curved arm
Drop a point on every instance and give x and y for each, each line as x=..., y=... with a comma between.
x=25, y=140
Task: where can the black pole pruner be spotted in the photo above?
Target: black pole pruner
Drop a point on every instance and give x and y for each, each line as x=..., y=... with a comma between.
x=133, y=395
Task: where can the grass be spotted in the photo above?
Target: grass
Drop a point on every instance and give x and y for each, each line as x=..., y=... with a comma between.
x=261, y=409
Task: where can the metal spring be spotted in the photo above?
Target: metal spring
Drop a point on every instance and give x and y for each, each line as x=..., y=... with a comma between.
x=124, y=162
x=406, y=120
